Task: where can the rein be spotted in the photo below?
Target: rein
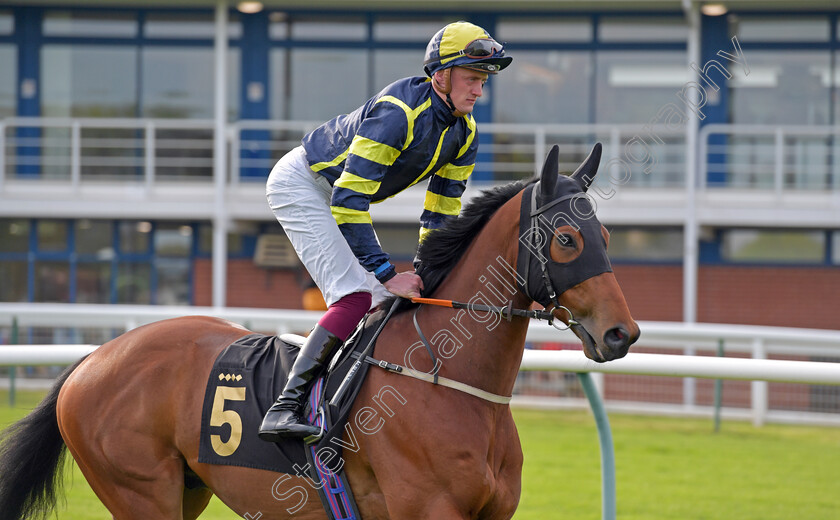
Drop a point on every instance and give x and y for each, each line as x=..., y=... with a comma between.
x=507, y=312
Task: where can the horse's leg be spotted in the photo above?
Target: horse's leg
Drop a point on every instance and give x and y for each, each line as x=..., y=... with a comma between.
x=132, y=485
x=195, y=501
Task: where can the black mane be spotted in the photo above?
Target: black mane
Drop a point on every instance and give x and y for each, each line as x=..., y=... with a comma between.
x=443, y=247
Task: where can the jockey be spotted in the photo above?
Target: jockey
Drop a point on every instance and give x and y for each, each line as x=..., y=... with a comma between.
x=415, y=129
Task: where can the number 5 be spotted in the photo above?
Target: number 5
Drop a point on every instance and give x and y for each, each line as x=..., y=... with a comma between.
x=219, y=416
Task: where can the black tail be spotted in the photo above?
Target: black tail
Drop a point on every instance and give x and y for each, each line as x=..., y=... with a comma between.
x=31, y=460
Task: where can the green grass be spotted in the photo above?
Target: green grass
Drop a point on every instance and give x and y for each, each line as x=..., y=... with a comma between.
x=666, y=469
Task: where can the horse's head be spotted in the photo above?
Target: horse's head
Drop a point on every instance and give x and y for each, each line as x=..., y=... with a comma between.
x=563, y=259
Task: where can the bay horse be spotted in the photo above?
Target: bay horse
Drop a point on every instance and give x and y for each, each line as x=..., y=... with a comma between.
x=130, y=412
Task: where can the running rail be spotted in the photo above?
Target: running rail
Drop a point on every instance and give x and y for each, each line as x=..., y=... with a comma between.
x=808, y=372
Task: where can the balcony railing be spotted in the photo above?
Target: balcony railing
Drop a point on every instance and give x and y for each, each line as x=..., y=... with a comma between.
x=148, y=152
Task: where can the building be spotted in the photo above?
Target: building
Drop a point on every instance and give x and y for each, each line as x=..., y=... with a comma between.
x=135, y=137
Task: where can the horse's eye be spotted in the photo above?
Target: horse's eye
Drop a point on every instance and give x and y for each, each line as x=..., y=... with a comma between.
x=566, y=240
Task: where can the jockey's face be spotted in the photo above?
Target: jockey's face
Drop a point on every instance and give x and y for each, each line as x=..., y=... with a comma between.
x=467, y=87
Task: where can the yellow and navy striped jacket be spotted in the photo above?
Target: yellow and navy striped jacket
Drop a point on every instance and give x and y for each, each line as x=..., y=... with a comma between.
x=401, y=136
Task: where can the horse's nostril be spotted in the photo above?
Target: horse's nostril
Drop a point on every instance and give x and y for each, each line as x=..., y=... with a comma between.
x=616, y=337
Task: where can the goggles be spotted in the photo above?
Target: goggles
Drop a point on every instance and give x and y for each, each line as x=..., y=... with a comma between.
x=476, y=49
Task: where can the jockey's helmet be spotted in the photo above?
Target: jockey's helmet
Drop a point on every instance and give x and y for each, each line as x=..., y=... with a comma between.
x=462, y=44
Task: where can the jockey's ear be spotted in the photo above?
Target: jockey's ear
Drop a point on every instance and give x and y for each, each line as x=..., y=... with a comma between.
x=550, y=171
x=587, y=170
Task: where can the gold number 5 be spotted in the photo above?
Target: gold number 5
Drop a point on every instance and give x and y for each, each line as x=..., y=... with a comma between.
x=219, y=416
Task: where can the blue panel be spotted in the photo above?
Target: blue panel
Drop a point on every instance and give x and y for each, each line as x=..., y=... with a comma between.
x=28, y=34
x=254, y=91
x=715, y=37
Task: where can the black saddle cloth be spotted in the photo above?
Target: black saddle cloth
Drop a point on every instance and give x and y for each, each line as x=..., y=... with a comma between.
x=246, y=378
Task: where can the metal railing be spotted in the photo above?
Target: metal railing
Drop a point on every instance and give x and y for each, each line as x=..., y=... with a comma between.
x=759, y=401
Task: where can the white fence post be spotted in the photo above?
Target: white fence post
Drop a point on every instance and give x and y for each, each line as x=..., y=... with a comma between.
x=758, y=389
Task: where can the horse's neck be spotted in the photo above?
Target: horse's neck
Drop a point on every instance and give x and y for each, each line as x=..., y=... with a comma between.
x=485, y=275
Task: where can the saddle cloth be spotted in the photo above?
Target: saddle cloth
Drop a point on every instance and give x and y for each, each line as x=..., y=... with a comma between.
x=247, y=377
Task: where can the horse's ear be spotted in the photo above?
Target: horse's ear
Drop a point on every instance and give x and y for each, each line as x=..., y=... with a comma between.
x=587, y=170
x=551, y=168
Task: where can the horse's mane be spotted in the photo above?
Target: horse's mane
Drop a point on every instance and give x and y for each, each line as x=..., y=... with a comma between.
x=443, y=247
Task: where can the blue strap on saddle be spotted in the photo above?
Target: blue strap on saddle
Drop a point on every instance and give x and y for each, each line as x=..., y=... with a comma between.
x=336, y=497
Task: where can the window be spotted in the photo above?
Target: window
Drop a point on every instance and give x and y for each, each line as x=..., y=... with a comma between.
x=111, y=23
x=7, y=22
x=796, y=84
x=93, y=282
x=632, y=87
x=134, y=237
x=88, y=81
x=188, y=26
x=14, y=236
x=546, y=29
x=52, y=236
x=548, y=87
x=415, y=29
x=52, y=282
x=779, y=29
x=8, y=80
x=325, y=28
x=327, y=82
x=646, y=244
x=94, y=238
x=178, y=82
x=773, y=246
x=14, y=274
x=648, y=29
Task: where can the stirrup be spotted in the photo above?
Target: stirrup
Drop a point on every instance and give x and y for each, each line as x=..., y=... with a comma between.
x=312, y=439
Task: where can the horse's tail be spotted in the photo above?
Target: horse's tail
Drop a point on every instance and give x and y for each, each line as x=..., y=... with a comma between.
x=31, y=460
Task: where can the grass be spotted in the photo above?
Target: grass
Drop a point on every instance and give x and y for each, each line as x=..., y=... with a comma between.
x=666, y=469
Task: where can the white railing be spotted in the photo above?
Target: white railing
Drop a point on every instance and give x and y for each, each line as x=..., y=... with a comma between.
x=770, y=157
x=755, y=343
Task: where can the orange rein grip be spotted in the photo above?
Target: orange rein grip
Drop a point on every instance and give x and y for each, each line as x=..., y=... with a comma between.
x=433, y=301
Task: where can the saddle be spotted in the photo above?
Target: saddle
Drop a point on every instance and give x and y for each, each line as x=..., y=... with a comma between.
x=244, y=382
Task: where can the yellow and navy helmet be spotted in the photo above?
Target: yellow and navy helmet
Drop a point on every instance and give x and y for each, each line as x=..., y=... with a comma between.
x=462, y=44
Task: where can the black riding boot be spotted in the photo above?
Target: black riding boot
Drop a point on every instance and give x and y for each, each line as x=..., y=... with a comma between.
x=284, y=418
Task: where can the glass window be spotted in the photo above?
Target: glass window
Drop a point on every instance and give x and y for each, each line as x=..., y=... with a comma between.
x=646, y=244
x=133, y=283
x=747, y=245
x=651, y=29
x=416, y=29
x=111, y=23
x=8, y=80
x=313, y=98
x=632, y=87
x=399, y=240
x=323, y=28
x=566, y=29
x=278, y=62
x=178, y=83
x=173, y=281
x=391, y=65
x=278, y=25
x=93, y=282
x=835, y=247
x=52, y=282
x=188, y=26
x=88, y=81
x=548, y=87
x=7, y=23
x=52, y=235
x=14, y=236
x=173, y=240
x=796, y=84
x=780, y=29
x=14, y=276
x=94, y=237
x=134, y=236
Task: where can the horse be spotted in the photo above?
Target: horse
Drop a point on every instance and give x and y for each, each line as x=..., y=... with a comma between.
x=130, y=412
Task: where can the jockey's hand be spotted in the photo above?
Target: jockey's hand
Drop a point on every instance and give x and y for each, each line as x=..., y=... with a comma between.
x=406, y=284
